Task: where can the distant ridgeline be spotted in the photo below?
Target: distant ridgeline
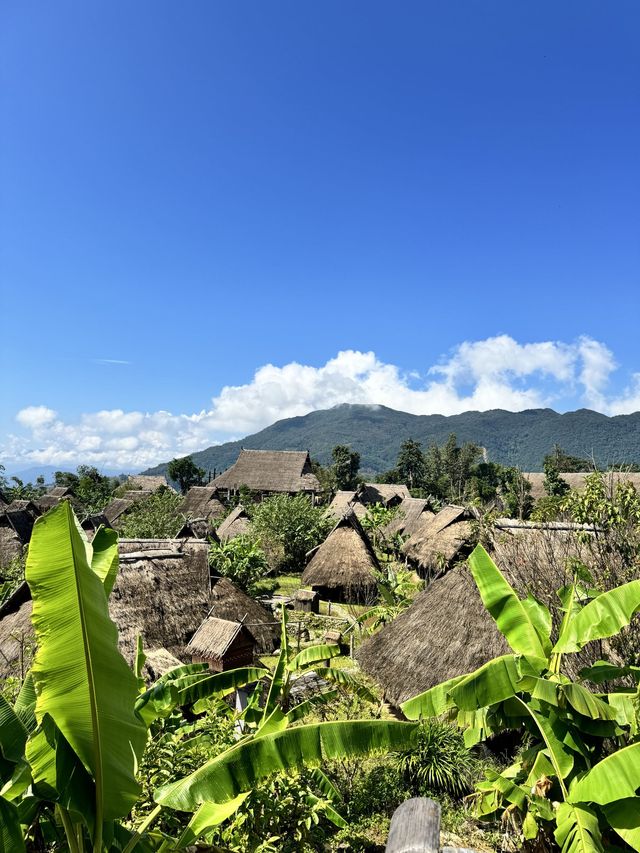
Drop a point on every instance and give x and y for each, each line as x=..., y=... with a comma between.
x=376, y=432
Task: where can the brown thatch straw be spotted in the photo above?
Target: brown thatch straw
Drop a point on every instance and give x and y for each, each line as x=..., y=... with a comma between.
x=202, y=502
x=410, y=512
x=197, y=528
x=287, y=471
x=214, y=637
x=435, y=542
x=345, y=559
x=387, y=494
x=235, y=524
x=16, y=633
x=576, y=481
x=158, y=661
x=229, y=602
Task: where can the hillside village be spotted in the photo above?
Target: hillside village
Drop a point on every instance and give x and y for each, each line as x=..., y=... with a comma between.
x=375, y=575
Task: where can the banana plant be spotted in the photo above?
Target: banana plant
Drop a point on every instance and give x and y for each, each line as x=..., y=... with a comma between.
x=565, y=777
x=71, y=742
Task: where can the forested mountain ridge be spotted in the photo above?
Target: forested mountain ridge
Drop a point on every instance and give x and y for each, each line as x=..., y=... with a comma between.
x=376, y=432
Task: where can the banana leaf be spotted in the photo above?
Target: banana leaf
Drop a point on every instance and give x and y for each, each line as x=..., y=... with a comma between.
x=555, y=748
x=11, y=838
x=81, y=679
x=624, y=817
x=304, y=708
x=104, y=561
x=577, y=829
x=25, y=703
x=13, y=733
x=343, y=679
x=238, y=769
x=279, y=677
x=218, y=684
x=616, y=777
x=517, y=623
x=312, y=655
x=207, y=817
x=433, y=702
x=602, y=670
x=494, y=682
x=585, y=703
x=603, y=617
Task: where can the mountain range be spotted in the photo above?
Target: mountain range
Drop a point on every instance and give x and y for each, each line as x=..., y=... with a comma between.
x=376, y=432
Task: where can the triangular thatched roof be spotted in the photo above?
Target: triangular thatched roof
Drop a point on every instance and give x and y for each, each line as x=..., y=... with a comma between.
x=436, y=541
x=287, y=471
x=197, y=528
x=230, y=603
x=344, y=560
x=576, y=480
x=445, y=632
x=202, y=502
x=22, y=515
x=235, y=524
x=215, y=636
x=388, y=494
x=410, y=512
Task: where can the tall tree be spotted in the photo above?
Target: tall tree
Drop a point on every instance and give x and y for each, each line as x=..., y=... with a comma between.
x=411, y=464
x=554, y=485
x=346, y=464
x=185, y=473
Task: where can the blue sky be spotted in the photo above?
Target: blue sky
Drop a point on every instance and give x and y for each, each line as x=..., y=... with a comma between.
x=190, y=192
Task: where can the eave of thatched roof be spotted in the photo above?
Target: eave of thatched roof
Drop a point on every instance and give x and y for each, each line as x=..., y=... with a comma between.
x=388, y=494
x=345, y=558
x=11, y=545
x=341, y=503
x=576, y=480
x=202, y=502
x=22, y=515
x=147, y=482
x=229, y=602
x=287, y=471
x=235, y=524
x=439, y=539
x=445, y=632
x=215, y=637
x=197, y=528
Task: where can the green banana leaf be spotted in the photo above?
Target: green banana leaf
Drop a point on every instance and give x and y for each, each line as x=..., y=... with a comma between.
x=11, y=838
x=494, y=682
x=433, y=702
x=207, y=817
x=301, y=710
x=624, y=817
x=577, y=829
x=238, y=769
x=556, y=750
x=25, y=704
x=585, y=703
x=104, y=561
x=312, y=655
x=602, y=670
x=616, y=777
x=82, y=681
x=13, y=732
x=603, y=617
x=343, y=679
x=280, y=673
x=218, y=684
x=516, y=622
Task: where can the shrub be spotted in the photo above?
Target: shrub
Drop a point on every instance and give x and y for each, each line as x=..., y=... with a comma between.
x=440, y=762
x=293, y=524
x=154, y=517
x=241, y=560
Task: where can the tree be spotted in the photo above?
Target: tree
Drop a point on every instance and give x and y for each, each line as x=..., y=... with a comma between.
x=411, y=464
x=186, y=473
x=554, y=485
x=346, y=463
x=565, y=462
x=241, y=560
x=154, y=517
x=516, y=494
x=289, y=527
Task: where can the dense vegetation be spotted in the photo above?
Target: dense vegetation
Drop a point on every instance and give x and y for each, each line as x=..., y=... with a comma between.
x=519, y=439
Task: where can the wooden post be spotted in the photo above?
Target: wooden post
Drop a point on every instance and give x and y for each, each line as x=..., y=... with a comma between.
x=415, y=827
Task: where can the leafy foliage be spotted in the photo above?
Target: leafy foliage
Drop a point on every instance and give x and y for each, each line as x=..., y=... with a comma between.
x=289, y=526
x=346, y=463
x=154, y=517
x=241, y=560
x=185, y=472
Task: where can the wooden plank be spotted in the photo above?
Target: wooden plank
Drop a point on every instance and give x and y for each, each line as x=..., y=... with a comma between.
x=415, y=827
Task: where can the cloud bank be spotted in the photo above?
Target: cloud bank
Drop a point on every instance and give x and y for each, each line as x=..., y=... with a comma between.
x=496, y=373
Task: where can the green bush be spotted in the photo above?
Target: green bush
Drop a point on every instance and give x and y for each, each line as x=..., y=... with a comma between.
x=289, y=527
x=242, y=561
x=439, y=763
x=154, y=517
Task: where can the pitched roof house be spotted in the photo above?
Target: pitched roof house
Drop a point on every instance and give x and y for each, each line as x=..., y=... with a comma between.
x=270, y=471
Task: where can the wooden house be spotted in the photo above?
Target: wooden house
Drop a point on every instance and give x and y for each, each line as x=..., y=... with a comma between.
x=437, y=541
x=222, y=644
x=268, y=472
x=235, y=524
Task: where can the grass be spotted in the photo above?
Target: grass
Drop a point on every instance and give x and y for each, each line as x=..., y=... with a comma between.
x=287, y=584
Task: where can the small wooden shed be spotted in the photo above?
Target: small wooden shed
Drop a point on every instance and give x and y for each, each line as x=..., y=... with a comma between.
x=222, y=644
x=307, y=600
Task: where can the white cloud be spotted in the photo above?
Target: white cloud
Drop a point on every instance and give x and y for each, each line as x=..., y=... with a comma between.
x=497, y=372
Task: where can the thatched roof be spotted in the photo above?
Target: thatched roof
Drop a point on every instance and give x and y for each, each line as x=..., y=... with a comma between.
x=229, y=602
x=117, y=507
x=16, y=633
x=445, y=632
x=436, y=541
x=202, y=502
x=22, y=516
x=287, y=471
x=576, y=481
x=214, y=637
x=410, y=512
x=158, y=661
x=341, y=503
x=345, y=558
x=388, y=494
x=10, y=543
x=235, y=524
x=147, y=482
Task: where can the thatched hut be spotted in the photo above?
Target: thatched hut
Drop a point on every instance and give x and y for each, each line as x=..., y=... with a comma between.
x=411, y=512
x=445, y=632
x=161, y=592
x=270, y=472
x=222, y=644
x=235, y=524
x=230, y=603
x=117, y=508
x=197, y=528
x=22, y=515
x=11, y=545
x=387, y=494
x=576, y=481
x=344, y=567
x=202, y=502
x=53, y=497
x=439, y=540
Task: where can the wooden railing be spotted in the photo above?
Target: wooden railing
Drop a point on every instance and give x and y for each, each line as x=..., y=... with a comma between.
x=415, y=828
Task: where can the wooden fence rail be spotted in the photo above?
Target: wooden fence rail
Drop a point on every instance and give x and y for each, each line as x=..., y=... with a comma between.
x=415, y=828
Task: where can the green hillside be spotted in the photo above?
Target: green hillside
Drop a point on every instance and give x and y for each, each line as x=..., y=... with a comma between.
x=376, y=432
